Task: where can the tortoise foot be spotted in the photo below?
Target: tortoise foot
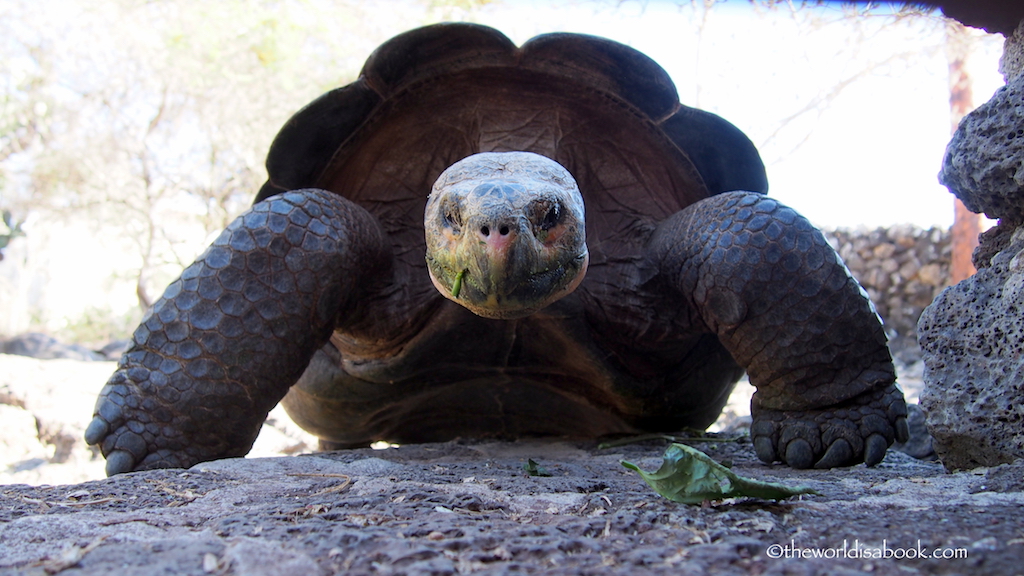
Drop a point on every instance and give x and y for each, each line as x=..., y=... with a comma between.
x=136, y=429
x=860, y=429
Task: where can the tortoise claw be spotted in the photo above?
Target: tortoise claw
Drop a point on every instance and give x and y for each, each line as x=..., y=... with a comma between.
x=98, y=430
x=840, y=453
x=131, y=443
x=799, y=454
x=119, y=462
x=874, y=449
x=902, y=430
x=765, y=449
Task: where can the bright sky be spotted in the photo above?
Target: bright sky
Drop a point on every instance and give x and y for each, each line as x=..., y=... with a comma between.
x=871, y=158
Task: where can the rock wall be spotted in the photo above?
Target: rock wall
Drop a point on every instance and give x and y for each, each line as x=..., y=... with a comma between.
x=903, y=269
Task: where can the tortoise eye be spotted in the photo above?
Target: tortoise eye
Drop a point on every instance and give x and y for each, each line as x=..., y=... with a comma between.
x=452, y=216
x=552, y=217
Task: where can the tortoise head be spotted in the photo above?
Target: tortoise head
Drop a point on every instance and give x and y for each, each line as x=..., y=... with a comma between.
x=505, y=233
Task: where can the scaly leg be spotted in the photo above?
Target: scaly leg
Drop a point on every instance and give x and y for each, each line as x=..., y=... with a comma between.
x=229, y=337
x=768, y=284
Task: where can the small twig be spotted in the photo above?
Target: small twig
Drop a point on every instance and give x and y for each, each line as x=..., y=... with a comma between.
x=703, y=439
x=631, y=440
x=129, y=520
x=69, y=557
x=38, y=501
x=187, y=496
x=338, y=488
x=88, y=502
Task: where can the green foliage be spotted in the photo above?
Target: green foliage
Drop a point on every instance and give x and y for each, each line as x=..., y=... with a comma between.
x=690, y=476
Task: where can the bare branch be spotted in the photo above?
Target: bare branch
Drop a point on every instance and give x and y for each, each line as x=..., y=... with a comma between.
x=819, y=104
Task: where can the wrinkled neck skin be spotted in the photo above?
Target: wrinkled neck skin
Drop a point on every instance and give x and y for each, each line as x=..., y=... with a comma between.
x=505, y=234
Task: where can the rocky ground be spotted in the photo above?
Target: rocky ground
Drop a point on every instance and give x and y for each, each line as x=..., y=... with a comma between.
x=465, y=507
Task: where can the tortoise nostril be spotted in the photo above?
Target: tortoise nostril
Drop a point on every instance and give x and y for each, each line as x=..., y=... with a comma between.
x=504, y=230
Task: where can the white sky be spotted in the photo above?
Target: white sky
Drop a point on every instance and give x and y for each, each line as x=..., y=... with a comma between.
x=873, y=155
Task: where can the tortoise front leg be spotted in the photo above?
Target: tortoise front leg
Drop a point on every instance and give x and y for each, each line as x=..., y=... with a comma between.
x=229, y=337
x=768, y=284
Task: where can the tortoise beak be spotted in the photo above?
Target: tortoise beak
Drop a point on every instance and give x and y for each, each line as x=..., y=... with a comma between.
x=500, y=253
x=499, y=269
x=499, y=256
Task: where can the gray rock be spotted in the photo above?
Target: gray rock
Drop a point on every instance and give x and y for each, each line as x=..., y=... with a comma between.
x=920, y=443
x=1003, y=478
x=43, y=347
x=984, y=162
x=1011, y=65
x=115, y=349
x=931, y=275
x=972, y=337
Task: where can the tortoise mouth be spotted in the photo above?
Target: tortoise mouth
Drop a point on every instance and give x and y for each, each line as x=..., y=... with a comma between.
x=507, y=300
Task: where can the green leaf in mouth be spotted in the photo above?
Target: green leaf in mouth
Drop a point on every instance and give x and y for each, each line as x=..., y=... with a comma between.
x=457, y=285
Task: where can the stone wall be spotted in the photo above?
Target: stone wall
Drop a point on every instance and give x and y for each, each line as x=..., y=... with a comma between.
x=903, y=269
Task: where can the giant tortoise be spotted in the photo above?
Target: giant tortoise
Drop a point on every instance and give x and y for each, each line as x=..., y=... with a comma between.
x=479, y=240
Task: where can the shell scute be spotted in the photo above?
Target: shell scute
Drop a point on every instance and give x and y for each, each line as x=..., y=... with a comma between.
x=434, y=50
x=606, y=65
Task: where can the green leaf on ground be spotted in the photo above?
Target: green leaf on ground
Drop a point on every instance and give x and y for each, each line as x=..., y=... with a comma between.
x=690, y=476
x=534, y=469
